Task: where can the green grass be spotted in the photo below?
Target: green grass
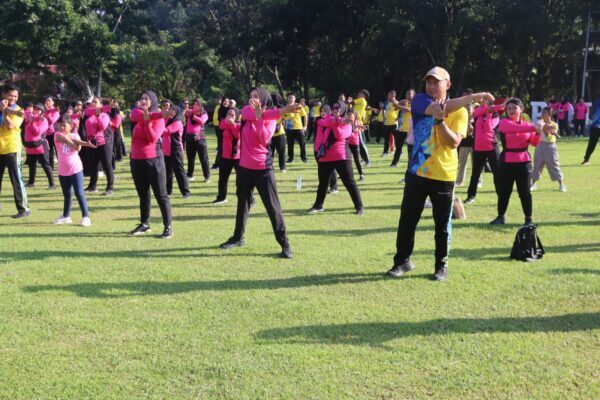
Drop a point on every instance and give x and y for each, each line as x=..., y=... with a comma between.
x=96, y=314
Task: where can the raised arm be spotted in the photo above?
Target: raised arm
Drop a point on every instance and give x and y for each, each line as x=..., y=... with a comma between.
x=508, y=126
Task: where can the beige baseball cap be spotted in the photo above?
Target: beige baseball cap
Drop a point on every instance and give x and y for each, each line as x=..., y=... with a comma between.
x=438, y=73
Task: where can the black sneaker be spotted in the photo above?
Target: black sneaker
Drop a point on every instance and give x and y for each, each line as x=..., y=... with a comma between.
x=187, y=196
x=528, y=221
x=219, y=201
x=214, y=166
x=498, y=221
x=22, y=214
x=231, y=243
x=289, y=161
x=470, y=200
x=167, y=233
x=314, y=210
x=441, y=273
x=30, y=185
x=399, y=270
x=141, y=229
x=332, y=191
x=360, y=211
x=286, y=252
x=304, y=161
x=51, y=187
x=108, y=192
x=91, y=190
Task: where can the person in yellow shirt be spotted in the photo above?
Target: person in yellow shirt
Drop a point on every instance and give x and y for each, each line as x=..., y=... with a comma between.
x=277, y=144
x=546, y=153
x=439, y=125
x=216, y=121
x=360, y=107
x=378, y=122
x=315, y=112
x=390, y=121
x=10, y=147
x=295, y=130
x=402, y=133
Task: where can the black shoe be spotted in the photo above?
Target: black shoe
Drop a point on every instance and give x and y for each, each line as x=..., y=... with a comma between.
x=304, y=161
x=219, y=201
x=441, y=273
x=187, y=195
x=30, y=185
x=108, y=192
x=470, y=200
x=360, y=211
x=286, y=252
x=214, y=166
x=498, y=221
x=528, y=221
x=231, y=243
x=399, y=270
x=22, y=214
x=141, y=229
x=289, y=161
x=51, y=187
x=314, y=210
x=167, y=233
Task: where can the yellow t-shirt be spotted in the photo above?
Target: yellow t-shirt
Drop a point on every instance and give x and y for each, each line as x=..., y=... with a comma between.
x=316, y=111
x=525, y=117
x=10, y=139
x=391, y=114
x=550, y=138
x=367, y=119
x=294, y=120
x=431, y=157
x=306, y=109
x=216, y=116
x=406, y=117
x=380, y=116
x=281, y=130
x=360, y=108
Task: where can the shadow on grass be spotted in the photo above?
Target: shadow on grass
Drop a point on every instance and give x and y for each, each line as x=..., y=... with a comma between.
x=377, y=333
x=587, y=271
x=136, y=256
x=127, y=289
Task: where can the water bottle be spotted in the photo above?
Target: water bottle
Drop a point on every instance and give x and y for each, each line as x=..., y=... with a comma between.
x=299, y=183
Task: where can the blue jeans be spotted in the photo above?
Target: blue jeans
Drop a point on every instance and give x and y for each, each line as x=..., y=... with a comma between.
x=74, y=182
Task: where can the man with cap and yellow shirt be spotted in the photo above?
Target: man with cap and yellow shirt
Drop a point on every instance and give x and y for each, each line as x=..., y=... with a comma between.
x=10, y=147
x=438, y=126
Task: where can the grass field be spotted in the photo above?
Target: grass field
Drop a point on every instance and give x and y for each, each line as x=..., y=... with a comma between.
x=92, y=313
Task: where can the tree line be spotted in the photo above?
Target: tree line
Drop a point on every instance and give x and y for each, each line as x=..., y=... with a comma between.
x=201, y=48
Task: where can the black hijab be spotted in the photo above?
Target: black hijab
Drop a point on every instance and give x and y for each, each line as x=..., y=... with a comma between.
x=236, y=111
x=178, y=115
x=277, y=100
x=153, y=100
x=343, y=108
x=264, y=96
x=222, y=110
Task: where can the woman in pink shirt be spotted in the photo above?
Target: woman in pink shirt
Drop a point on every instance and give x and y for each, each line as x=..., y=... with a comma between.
x=36, y=145
x=581, y=110
x=172, y=146
x=70, y=170
x=230, y=151
x=334, y=155
x=515, y=162
x=485, y=148
x=195, y=140
x=319, y=131
x=259, y=119
x=52, y=115
x=148, y=164
x=116, y=120
x=563, y=116
x=97, y=127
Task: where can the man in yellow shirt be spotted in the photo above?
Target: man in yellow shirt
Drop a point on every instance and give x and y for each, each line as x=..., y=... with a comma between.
x=360, y=107
x=438, y=127
x=390, y=120
x=218, y=133
x=402, y=133
x=10, y=147
x=295, y=124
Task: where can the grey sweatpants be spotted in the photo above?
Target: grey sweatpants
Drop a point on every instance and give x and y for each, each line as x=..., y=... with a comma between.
x=546, y=154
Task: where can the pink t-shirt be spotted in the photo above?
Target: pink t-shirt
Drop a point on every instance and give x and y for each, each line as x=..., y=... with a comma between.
x=341, y=133
x=563, y=111
x=69, y=162
x=231, y=135
x=35, y=131
x=354, y=139
x=581, y=109
x=485, y=123
x=517, y=136
x=255, y=138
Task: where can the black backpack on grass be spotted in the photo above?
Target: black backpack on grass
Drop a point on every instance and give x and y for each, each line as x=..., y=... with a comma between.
x=527, y=245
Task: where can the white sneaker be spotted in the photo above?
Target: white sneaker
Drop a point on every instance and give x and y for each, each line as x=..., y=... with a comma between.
x=533, y=187
x=562, y=188
x=62, y=220
x=86, y=221
x=100, y=174
x=479, y=185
